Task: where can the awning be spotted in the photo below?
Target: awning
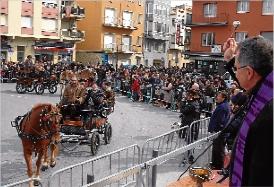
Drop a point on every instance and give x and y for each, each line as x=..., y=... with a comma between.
x=206, y=58
x=53, y=49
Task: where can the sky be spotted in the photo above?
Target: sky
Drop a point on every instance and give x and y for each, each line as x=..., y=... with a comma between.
x=180, y=2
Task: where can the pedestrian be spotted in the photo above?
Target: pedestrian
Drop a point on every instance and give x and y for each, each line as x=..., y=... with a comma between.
x=217, y=123
x=252, y=154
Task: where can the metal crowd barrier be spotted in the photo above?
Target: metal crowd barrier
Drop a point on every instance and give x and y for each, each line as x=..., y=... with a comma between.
x=97, y=168
x=164, y=143
x=143, y=173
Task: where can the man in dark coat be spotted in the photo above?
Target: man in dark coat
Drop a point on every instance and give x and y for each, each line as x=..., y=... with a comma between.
x=252, y=154
x=217, y=122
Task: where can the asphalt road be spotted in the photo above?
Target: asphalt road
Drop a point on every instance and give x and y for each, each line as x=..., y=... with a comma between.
x=132, y=123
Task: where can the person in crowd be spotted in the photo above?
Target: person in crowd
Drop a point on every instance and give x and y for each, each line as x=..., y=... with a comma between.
x=135, y=88
x=252, y=154
x=217, y=123
x=74, y=93
x=188, y=115
x=167, y=91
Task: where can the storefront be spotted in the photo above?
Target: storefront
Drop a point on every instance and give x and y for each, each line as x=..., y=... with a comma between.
x=53, y=51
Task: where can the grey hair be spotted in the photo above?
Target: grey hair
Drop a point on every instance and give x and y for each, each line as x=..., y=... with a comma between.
x=257, y=52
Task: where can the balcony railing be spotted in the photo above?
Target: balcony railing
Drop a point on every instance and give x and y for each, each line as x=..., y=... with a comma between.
x=125, y=48
x=73, y=12
x=110, y=47
x=110, y=21
x=72, y=34
x=200, y=20
x=120, y=23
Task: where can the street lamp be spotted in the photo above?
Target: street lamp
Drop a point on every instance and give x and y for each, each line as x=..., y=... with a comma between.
x=236, y=24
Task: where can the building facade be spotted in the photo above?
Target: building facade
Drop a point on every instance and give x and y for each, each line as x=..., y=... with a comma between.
x=157, y=32
x=179, y=35
x=212, y=24
x=114, y=32
x=36, y=30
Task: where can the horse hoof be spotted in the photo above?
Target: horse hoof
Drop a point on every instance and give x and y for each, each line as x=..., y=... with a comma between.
x=44, y=168
x=36, y=182
x=52, y=164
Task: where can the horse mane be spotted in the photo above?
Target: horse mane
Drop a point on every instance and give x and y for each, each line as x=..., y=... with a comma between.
x=40, y=105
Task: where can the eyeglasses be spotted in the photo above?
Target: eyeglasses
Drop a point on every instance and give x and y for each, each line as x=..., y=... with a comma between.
x=235, y=68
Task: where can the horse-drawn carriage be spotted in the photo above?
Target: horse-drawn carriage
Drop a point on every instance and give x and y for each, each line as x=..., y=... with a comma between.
x=85, y=123
x=29, y=80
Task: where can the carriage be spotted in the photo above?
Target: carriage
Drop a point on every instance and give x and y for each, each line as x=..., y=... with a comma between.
x=86, y=123
x=29, y=80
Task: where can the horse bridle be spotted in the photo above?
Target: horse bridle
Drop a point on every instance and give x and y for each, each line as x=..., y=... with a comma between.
x=44, y=121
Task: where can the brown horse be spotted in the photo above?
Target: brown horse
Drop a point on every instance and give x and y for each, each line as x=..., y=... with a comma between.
x=39, y=130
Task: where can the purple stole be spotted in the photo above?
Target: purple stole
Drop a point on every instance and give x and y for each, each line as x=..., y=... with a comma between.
x=264, y=95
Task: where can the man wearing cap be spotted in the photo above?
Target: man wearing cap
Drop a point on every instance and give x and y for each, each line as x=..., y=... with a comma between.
x=74, y=93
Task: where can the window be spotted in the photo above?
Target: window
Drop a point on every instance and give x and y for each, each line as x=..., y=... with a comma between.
x=126, y=43
x=154, y=26
x=139, y=41
x=242, y=6
x=26, y=22
x=140, y=2
x=268, y=7
x=20, y=53
x=3, y=19
x=159, y=27
x=240, y=36
x=207, y=39
x=109, y=16
x=268, y=35
x=127, y=19
x=149, y=27
x=140, y=18
x=109, y=42
x=210, y=10
x=149, y=9
x=49, y=25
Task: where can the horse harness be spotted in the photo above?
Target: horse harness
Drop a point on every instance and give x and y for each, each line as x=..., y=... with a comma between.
x=44, y=121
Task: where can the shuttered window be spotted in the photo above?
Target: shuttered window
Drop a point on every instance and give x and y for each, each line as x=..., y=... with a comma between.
x=49, y=25
x=3, y=20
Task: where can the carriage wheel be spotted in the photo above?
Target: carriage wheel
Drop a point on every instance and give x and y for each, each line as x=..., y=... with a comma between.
x=20, y=88
x=39, y=89
x=108, y=133
x=52, y=88
x=30, y=88
x=94, y=143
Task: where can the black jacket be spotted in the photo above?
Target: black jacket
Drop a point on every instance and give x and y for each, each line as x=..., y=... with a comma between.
x=258, y=153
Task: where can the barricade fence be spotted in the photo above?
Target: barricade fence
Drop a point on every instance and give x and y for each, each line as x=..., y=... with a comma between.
x=128, y=157
x=145, y=172
x=164, y=143
x=97, y=168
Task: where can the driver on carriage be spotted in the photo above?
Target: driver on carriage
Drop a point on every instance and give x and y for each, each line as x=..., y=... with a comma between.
x=74, y=93
x=28, y=66
x=73, y=97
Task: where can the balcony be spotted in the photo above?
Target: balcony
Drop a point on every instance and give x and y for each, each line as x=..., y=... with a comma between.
x=119, y=23
x=50, y=11
x=25, y=30
x=111, y=22
x=200, y=20
x=49, y=33
x=75, y=35
x=3, y=29
x=27, y=8
x=125, y=48
x=69, y=12
x=4, y=6
x=109, y=48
